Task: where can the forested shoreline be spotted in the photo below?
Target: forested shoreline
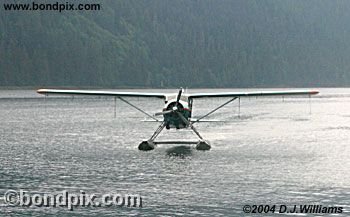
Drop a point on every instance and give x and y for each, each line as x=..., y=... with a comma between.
x=164, y=44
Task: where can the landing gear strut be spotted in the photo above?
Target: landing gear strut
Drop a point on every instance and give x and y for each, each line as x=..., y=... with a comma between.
x=148, y=145
x=202, y=144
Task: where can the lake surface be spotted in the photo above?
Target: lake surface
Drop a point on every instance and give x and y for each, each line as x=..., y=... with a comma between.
x=273, y=152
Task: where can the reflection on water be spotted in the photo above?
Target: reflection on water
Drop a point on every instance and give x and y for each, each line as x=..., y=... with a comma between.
x=273, y=152
x=179, y=151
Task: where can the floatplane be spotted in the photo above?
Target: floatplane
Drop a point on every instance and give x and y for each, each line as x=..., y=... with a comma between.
x=177, y=110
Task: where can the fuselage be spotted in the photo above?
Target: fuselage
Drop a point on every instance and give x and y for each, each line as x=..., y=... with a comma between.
x=184, y=106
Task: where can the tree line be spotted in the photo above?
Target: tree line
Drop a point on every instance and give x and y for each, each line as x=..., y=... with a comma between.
x=165, y=43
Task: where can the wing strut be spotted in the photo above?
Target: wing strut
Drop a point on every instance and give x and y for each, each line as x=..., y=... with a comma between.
x=137, y=108
x=309, y=104
x=239, y=106
x=214, y=110
x=115, y=107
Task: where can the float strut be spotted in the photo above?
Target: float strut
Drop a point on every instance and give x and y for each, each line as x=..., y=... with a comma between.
x=148, y=145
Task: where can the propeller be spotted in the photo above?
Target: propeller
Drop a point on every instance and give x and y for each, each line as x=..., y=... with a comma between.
x=178, y=96
x=174, y=108
x=164, y=112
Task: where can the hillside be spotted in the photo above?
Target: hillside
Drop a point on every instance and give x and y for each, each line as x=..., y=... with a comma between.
x=163, y=43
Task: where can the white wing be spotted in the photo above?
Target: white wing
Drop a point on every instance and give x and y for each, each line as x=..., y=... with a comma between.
x=254, y=93
x=99, y=93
